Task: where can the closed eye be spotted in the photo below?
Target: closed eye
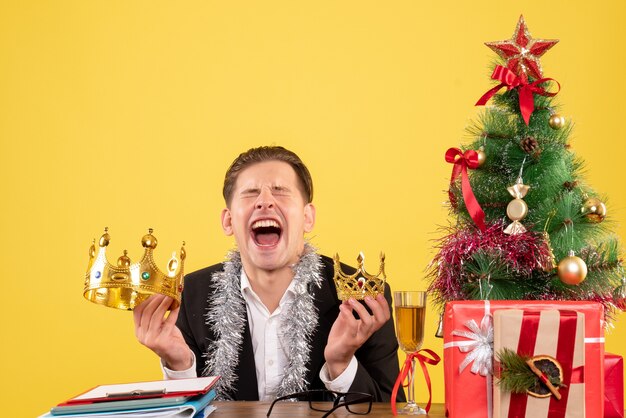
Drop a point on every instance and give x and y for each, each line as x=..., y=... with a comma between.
x=275, y=190
x=250, y=192
x=280, y=191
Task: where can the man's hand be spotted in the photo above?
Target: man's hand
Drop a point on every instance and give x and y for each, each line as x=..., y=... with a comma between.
x=348, y=333
x=160, y=334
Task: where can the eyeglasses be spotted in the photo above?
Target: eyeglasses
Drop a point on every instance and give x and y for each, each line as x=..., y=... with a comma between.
x=355, y=402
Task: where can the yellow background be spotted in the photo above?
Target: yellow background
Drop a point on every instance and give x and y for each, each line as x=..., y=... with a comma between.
x=127, y=113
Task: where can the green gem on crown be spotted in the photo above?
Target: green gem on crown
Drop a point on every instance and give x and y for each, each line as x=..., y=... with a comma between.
x=145, y=275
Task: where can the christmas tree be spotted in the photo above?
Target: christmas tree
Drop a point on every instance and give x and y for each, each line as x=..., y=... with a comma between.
x=525, y=225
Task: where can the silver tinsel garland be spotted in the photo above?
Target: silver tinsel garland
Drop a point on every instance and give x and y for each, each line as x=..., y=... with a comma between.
x=300, y=321
x=227, y=315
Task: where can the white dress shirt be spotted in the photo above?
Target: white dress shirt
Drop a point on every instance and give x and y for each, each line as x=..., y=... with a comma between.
x=270, y=355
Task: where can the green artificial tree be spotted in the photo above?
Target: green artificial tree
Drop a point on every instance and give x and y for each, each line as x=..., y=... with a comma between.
x=526, y=224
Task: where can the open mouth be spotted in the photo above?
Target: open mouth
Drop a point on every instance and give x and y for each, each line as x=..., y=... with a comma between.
x=266, y=232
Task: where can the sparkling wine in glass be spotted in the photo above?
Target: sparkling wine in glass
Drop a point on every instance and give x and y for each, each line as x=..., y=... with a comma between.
x=410, y=312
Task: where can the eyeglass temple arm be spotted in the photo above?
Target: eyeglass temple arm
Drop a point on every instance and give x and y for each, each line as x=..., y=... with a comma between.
x=283, y=398
x=336, y=404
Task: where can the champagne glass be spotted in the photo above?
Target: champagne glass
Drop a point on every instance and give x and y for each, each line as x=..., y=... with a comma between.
x=410, y=311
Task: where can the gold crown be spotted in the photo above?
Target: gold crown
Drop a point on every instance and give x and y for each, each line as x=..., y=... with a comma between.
x=127, y=284
x=359, y=284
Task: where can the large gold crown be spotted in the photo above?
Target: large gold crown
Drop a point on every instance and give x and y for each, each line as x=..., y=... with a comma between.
x=127, y=284
x=359, y=284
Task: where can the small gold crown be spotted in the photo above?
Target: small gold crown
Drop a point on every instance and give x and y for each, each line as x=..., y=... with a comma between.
x=127, y=284
x=359, y=284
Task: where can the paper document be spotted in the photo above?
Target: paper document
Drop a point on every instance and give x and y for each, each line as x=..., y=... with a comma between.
x=179, y=386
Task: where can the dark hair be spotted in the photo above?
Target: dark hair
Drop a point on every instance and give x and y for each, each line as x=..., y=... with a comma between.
x=268, y=153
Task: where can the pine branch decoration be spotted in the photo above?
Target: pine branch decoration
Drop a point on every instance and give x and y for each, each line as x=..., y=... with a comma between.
x=517, y=377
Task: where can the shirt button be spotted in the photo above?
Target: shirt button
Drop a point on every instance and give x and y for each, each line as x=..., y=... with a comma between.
x=270, y=362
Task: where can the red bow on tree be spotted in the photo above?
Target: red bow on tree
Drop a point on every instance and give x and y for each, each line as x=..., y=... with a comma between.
x=462, y=161
x=510, y=80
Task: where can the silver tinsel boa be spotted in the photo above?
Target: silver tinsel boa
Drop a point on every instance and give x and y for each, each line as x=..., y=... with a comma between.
x=226, y=316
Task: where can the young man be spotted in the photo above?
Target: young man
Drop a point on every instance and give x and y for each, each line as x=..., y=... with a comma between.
x=268, y=320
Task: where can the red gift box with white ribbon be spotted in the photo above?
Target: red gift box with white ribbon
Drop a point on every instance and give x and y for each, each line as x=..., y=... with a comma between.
x=468, y=354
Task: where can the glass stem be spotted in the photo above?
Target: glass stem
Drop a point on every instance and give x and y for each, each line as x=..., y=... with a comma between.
x=411, y=400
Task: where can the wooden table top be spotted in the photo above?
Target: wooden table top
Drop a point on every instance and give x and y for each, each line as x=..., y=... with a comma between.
x=301, y=409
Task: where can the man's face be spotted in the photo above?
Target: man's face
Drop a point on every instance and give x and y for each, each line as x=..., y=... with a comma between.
x=268, y=216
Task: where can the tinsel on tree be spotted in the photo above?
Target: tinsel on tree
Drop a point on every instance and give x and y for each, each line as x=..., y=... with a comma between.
x=525, y=223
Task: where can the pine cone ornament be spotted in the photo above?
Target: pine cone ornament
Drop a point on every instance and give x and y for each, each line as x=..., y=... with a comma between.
x=530, y=146
x=570, y=185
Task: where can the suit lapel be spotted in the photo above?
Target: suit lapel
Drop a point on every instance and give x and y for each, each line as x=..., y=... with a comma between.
x=247, y=389
x=327, y=309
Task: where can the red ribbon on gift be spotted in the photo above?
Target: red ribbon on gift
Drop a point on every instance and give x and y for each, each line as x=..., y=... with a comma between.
x=407, y=370
x=462, y=161
x=510, y=80
x=564, y=355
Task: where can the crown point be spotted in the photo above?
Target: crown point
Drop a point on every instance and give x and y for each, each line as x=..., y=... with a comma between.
x=92, y=249
x=124, y=260
x=149, y=240
x=105, y=238
x=360, y=258
x=183, y=252
x=150, y=230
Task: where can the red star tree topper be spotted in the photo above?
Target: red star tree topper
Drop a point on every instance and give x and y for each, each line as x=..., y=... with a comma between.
x=522, y=52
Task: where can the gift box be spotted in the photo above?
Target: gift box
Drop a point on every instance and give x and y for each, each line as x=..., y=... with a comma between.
x=557, y=334
x=613, y=386
x=468, y=354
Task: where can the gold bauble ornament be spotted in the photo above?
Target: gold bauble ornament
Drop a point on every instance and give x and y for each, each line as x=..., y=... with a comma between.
x=556, y=121
x=594, y=210
x=572, y=270
x=482, y=157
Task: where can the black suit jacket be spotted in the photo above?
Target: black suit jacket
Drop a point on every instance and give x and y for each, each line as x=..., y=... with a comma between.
x=377, y=358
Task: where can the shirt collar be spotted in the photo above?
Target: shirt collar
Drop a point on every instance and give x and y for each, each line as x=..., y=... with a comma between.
x=246, y=289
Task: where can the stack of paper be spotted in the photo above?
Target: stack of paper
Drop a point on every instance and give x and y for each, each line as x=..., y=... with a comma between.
x=183, y=398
